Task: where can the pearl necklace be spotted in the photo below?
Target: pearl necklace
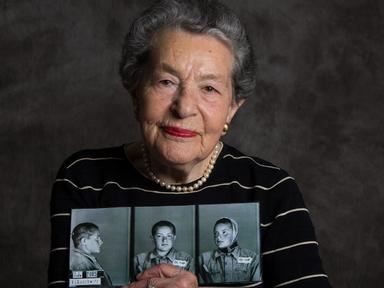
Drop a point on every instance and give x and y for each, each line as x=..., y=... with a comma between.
x=182, y=188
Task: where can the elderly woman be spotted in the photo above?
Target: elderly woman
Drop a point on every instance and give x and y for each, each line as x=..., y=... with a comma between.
x=188, y=67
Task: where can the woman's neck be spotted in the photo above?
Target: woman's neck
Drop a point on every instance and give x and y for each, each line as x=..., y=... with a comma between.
x=179, y=174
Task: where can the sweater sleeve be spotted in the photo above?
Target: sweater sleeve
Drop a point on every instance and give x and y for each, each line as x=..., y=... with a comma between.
x=64, y=197
x=290, y=251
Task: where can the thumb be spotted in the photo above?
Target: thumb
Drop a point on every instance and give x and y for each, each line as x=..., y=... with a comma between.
x=159, y=271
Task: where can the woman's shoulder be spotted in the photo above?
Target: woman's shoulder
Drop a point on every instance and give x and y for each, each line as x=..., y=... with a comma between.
x=88, y=159
x=94, y=154
x=254, y=167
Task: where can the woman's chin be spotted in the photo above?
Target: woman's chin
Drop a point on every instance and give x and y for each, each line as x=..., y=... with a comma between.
x=180, y=153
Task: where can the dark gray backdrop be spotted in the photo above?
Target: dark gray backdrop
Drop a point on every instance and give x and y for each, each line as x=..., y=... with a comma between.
x=317, y=112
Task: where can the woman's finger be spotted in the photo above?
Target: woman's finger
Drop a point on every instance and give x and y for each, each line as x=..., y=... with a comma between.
x=160, y=271
x=165, y=276
x=180, y=281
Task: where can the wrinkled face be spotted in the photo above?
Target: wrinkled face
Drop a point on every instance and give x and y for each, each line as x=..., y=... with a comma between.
x=164, y=239
x=93, y=243
x=185, y=97
x=223, y=235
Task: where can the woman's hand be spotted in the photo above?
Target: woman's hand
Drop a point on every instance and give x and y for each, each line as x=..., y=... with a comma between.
x=164, y=276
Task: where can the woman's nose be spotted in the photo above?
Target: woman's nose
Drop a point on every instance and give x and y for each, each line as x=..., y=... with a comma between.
x=185, y=103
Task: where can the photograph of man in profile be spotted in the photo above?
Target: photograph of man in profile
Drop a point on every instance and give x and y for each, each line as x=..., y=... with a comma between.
x=87, y=241
x=163, y=234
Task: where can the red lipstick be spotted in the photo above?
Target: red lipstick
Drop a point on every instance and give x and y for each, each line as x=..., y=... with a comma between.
x=179, y=132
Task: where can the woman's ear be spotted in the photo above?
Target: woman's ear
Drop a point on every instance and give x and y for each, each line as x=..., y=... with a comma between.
x=233, y=108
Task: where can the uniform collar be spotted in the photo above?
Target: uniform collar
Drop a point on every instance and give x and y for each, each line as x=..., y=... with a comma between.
x=170, y=255
x=235, y=253
x=84, y=254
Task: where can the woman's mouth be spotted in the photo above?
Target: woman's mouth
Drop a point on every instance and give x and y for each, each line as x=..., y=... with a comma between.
x=179, y=132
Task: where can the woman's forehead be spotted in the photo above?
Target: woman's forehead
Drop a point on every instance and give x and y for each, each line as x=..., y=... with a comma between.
x=177, y=51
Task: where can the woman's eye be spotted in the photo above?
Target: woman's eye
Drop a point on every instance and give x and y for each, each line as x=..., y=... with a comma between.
x=210, y=89
x=165, y=82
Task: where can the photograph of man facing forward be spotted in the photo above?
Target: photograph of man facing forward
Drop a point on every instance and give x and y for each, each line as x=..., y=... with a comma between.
x=163, y=234
x=229, y=262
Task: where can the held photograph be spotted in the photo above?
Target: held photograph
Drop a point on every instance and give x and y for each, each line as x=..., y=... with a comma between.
x=229, y=244
x=218, y=243
x=164, y=235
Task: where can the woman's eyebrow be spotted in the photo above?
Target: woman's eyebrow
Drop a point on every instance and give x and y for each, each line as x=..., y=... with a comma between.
x=168, y=68
x=211, y=76
x=203, y=77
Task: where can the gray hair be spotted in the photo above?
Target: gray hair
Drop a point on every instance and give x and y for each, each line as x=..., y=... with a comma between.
x=196, y=16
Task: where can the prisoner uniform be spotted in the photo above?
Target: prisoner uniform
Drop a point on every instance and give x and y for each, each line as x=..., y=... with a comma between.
x=81, y=261
x=180, y=259
x=238, y=265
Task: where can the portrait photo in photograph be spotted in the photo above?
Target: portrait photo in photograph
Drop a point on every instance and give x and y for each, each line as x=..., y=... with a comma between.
x=229, y=244
x=99, y=248
x=164, y=235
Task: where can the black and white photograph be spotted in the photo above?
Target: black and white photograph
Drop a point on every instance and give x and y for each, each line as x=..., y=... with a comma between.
x=164, y=235
x=99, y=248
x=229, y=244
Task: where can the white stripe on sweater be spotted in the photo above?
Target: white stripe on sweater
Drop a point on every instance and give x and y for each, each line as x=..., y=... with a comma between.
x=170, y=192
x=250, y=158
x=61, y=214
x=93, y=159
x=300, y=279
x=290, y=246
x=285, y=213
x=59, y=249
